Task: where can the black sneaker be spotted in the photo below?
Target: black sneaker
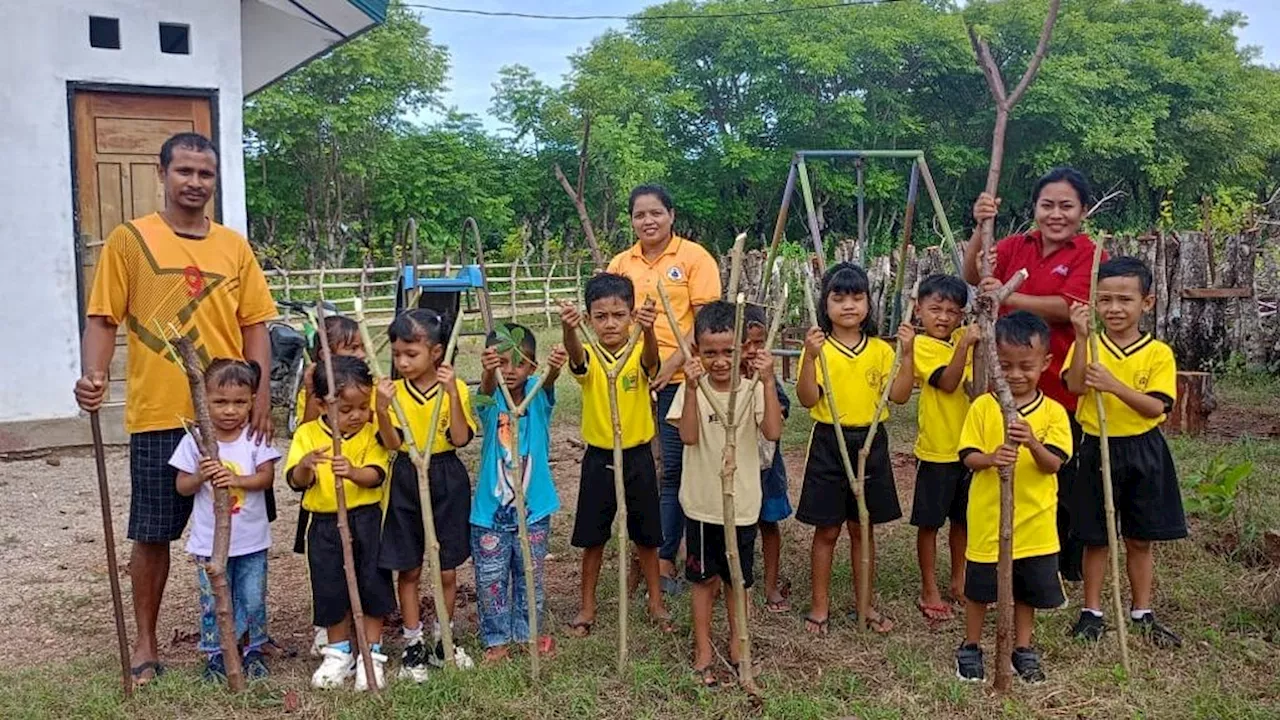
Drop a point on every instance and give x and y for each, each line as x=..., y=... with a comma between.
x=1026, y=662
x=1159, y=635
x=969, y=666
x=1089, y=627
x=215, y=669
x=413, y=666
x=255, y=665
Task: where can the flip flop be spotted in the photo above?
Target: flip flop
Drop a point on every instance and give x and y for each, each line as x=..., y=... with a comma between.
x=784, y=587
x=779, y=607
x=664, y=623
x=822, y=625
x=139, y=671
x=879, y=622
x=580, y=628
x=935, y=613
x=706, y=677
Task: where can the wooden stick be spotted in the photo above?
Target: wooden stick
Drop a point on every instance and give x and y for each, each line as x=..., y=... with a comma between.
x=864, y=516
x=735, y=267
x=1108, y=493
x=779, y=228
x=344, y=527
x=420, y=455
x=619, y=487
x=216, y=567
x=812, y=214
x=109, y=543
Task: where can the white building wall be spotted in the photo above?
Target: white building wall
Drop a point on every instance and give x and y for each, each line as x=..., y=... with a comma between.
x=47, y=46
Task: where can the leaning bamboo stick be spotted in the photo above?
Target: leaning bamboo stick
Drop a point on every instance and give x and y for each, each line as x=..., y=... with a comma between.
x=420, y=455
x=864, y=516
x=619, y=486
x=344, y=527
x=216, y=567
x=1108, y=492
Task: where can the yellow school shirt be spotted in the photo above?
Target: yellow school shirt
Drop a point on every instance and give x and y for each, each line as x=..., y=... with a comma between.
x=633, y=399
x=1147, y=365
x=940, y=415
x=701, y=496
x=689, y=274
x=858, y=374
x=363, y=449
x=418, y=405
x=1035, y=492
x=149, y=278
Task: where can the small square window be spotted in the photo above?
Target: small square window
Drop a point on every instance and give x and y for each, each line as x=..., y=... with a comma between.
x=104, y=32
x=175, y=39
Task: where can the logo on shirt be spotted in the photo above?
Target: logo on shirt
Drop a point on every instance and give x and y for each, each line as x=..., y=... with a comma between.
x=873, y=378
x=236, y=494
x=675, y=274
x=1141, y=381
x=195, y=280
x=630, y=381
x=1062, y=270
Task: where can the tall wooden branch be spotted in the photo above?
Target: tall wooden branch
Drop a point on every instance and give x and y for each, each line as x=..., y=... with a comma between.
x=577, y=195
x=855, y=479
x=1108, y=492
x=216, y=567
x=344, y=526
x=619, y=488
x=419, y=450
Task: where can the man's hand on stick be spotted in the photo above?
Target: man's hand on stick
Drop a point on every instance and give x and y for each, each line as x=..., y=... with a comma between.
x=91, y=390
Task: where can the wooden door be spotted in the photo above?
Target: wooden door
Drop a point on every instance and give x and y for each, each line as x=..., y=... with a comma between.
x=117, y=148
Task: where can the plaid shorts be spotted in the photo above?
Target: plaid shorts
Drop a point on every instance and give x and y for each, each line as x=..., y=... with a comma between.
x=157, y=513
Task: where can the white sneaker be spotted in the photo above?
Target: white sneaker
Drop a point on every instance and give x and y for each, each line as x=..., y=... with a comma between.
x=321, y=639
x=362, y=680
x=335, y=669
x=461, y=659
x=413, y=665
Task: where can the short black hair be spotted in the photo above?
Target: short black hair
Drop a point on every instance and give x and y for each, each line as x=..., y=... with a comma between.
x=1069, y=175
x=186, y=141
x=610, y=285
x=347, y=371
x=946, y=287
x=845, y=278
x=421, y=325
x=229, y=371
x=1021, y=327
x=340, y=331
x=715, y=317
x=657, y=191
x=1127, y=266
x=754, y=315
x=528, y=344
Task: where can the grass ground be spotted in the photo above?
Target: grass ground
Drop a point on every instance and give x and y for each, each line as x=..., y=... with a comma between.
x=1211, y=591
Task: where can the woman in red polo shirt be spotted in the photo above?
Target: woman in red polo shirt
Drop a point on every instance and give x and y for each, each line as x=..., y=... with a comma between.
x=1058, y=258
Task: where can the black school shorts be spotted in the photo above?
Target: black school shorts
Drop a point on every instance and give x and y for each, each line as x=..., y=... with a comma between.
x=158, y=513
x=826, y=498
x=941, y=494
x=1035, y=582
x=598, y=503
x=329, y=600
x=705, y=555
x=403, y=539
x=1145, y=485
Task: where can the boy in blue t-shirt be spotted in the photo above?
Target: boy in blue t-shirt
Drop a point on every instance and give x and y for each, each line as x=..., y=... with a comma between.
x=495, y=544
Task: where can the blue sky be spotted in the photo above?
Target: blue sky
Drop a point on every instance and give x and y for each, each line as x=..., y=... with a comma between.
x=480, y=46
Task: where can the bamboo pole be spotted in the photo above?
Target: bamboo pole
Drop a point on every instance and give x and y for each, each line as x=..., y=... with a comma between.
x=619, y=487
x=109, y=544
x=1108, y=492
x=814, y=232
x=735, y=265
x=344, y=527
x=420, y=453
x=216, y=566
x=940, y=212
x=908, y=223
x=864, y=516
x=779, y=228
x=859, y=164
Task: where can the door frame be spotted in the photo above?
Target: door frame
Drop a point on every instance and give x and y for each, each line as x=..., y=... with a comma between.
x=73, y=88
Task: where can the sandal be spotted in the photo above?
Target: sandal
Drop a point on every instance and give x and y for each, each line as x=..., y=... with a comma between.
x=935, y=614
x=820, y=626
x=664, y=622
x=139, y=672
x=878, y=622
x=547, y=646
x=580, y=628
x=706, y=677
x=779, y=607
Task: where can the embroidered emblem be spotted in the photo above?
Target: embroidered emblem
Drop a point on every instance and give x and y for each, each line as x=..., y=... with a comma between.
x=1061, y=270
x=675, y=274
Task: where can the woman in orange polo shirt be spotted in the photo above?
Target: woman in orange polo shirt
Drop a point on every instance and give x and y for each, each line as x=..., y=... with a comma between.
x=1058, y=257
x=692, y=279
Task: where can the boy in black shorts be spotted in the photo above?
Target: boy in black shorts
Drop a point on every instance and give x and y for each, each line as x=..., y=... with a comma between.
x=940, y=363
x=611, y=310
x=758, y=414
x=1137, y=376
x=1036, y=445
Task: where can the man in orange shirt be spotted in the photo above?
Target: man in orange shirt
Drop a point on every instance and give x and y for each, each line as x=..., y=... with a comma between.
x=692, y=279
x=175, y=270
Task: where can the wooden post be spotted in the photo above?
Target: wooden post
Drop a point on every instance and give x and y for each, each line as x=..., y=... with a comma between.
x=515, y=310
x=779, y=228
x=546, y=292
x=420, y=454
x=1108, y=492
x=811, y=213
x=216, y=567
x=344, y=527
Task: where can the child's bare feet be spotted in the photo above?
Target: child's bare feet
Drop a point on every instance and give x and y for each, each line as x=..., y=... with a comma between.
x=659, y=616
x=496, y=654
x=546, y=646
x=581, y=624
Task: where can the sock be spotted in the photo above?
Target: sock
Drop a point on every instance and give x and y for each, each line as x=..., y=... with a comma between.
x=414, y=633
x=375, y=648
x=435, y=630
x=1091, y=611
x=1139, y=614
x=344, y=646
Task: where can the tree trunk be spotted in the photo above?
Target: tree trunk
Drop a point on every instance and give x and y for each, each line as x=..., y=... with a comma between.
x=1195, y=402
x=216, y=567
x=584, y=218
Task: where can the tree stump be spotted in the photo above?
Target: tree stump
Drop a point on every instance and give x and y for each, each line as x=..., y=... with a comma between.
x=1190, y=414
